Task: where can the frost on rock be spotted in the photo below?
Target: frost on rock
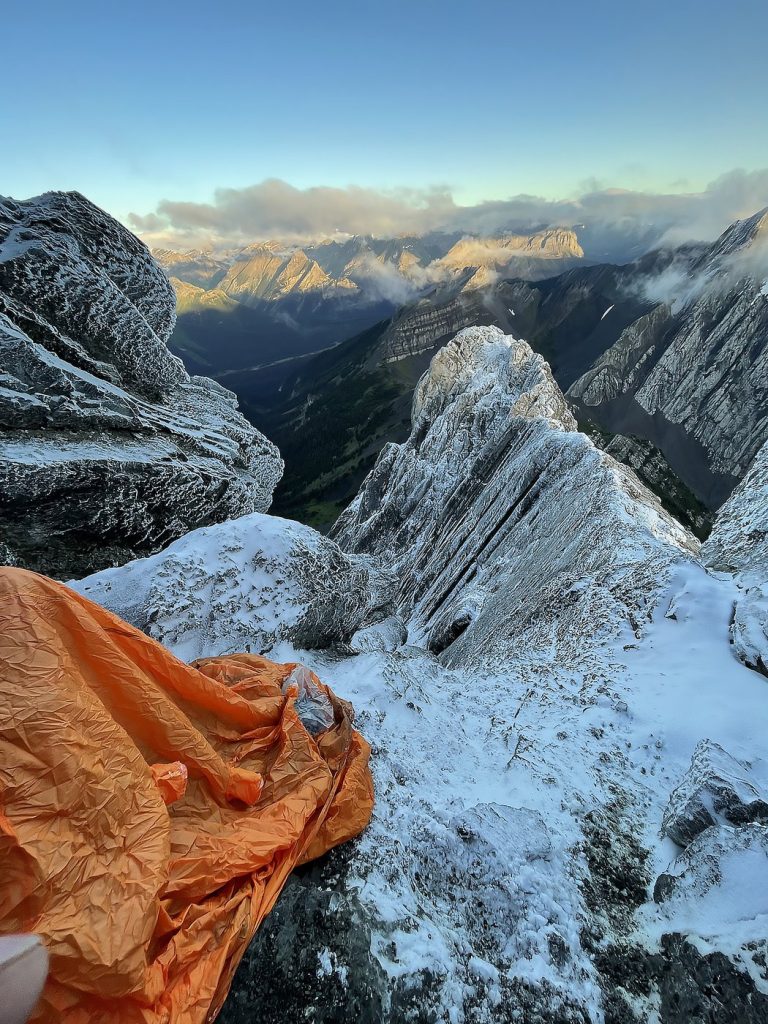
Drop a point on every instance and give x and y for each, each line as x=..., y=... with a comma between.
x=504, y=524
x=107, y=447
x=739, y=544
x=244, y=585
x=716, y=789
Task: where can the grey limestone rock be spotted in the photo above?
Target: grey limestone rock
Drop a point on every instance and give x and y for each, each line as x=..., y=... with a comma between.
x=108, y=448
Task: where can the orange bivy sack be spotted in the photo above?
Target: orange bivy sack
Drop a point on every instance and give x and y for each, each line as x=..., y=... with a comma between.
x=151, y=811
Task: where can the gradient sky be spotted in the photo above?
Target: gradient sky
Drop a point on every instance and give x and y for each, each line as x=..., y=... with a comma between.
x=132, y=103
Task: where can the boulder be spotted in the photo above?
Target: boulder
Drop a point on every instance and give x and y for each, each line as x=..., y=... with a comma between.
x=108, y=448
x=245, y=585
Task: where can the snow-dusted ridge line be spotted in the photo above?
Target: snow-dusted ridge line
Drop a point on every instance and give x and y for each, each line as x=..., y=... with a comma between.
x=502, y=521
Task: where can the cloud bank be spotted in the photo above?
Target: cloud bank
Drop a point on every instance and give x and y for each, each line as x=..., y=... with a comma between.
x=611, y=223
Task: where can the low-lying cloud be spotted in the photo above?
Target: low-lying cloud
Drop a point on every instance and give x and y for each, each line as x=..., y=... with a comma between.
x=611, y=223
x=687, y=277
x=275, y=209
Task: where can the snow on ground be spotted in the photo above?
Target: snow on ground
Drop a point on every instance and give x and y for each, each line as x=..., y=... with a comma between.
x=471, y=868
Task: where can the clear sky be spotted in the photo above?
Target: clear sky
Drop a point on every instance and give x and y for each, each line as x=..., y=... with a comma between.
x=136, y=102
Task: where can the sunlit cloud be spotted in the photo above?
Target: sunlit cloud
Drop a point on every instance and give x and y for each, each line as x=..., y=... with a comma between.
x=608, y=220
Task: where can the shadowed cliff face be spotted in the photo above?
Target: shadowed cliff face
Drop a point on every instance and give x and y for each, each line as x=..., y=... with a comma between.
x=691, y=375
x=108, y=447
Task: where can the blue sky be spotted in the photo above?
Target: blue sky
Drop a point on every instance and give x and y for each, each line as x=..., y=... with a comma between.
x=135, y=103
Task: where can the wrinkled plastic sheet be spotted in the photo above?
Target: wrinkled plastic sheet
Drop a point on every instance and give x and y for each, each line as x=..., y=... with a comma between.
x=151, y=811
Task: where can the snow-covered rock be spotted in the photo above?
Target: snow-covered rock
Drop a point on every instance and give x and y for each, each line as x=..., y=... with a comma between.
x=515, y=836
x=716, y=789
x=739, y=544
x=107, y=447
x=504, y=525
x=244, y=585
x=719, y=880
x=385, y=636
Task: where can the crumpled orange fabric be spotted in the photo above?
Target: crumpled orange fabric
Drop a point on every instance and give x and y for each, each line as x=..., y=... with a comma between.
x=151, y=811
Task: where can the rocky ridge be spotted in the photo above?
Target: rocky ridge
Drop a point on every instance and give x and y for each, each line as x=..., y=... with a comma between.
x=462, y=503
x=107, y=446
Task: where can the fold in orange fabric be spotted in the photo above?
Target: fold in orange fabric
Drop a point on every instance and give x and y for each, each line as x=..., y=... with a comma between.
x=151, y=811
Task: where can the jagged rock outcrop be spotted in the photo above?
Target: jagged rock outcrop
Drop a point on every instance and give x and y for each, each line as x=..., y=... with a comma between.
x=691, y=375
x=717, y=789
x=502, y=521
x=245, y=585
x=419, y=327
x=739, y=544
x=108, y=447
x=264, y=273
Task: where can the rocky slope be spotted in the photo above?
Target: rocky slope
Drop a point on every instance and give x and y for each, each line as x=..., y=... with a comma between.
x=552, y=707
x=739, y=544
x=107, y=446
x=690, y=375
x=654, y=471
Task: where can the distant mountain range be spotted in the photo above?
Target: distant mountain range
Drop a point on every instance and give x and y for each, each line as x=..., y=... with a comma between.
x=367, y=267
x=273, y=300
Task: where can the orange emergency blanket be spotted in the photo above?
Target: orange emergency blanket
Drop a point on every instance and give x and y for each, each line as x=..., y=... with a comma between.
x=151, y=811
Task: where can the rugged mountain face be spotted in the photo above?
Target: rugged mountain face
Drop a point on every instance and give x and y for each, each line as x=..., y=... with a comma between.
x=739, y=544
x=512, y=254
x=261, y=273
x=464, y=502
x=292, y=301
x=691, y=374
x=654, y=471
x=107, y=446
